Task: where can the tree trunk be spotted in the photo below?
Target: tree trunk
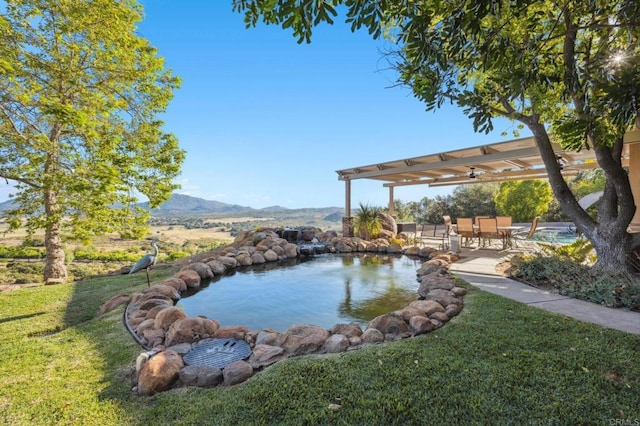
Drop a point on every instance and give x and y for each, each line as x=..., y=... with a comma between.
x=55, y=270
x=608, y=235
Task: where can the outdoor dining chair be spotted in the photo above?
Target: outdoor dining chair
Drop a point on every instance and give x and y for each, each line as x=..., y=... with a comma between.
x=488, y=230
x=464, y=228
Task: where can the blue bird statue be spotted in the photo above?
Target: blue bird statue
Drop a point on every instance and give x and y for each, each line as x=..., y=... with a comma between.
x=146, y=261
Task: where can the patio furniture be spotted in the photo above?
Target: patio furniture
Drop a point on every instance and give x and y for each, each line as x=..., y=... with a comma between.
x=410, y=229
x=464, y=228
x=488, y=230
x=522, y=236
x=429, y=232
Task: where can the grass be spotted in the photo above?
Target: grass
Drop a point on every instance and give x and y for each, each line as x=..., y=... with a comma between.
x=499, y=362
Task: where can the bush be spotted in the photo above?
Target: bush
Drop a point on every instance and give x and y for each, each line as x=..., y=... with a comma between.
x=575, y=280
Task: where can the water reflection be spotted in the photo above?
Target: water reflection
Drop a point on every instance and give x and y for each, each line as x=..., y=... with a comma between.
x=321, y=290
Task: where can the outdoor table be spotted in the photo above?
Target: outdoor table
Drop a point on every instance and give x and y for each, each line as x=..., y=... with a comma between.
x=508, y=233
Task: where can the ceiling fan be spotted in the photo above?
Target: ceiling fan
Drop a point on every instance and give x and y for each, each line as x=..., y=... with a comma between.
x=472, y=175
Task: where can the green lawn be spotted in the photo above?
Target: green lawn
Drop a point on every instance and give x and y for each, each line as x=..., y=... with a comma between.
x=499, y=362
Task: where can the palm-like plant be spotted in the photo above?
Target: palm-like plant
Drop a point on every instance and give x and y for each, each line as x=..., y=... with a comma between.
x=367, y=221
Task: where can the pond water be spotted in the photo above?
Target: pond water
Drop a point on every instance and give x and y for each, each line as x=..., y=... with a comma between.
x=323, y=290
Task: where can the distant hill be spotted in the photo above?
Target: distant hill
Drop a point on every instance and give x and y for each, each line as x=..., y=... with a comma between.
x=180, y=204
x=184, y=204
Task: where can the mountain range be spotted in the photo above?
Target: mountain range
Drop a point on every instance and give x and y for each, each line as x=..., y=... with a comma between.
x=180, y=204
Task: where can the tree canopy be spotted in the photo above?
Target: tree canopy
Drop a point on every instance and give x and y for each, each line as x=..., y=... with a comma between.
x=568, y=71
x=80, y=97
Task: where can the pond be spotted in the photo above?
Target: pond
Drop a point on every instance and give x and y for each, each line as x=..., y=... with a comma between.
x=322, y=290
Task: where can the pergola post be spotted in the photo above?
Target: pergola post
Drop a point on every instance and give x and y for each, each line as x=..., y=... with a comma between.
x=347, y=219
x=392, y=210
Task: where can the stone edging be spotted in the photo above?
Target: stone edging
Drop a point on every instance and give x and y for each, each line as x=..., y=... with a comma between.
x=168, y=333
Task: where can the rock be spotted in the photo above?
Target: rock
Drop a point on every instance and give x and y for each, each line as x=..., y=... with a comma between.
x=114, y=302
x=181, y=348
x=217, y=267
x=270, y=255
x=228, y=261
x=371, y=335
x=388, y=223
x=244, y=259
x=301, y=339
x=265, y=355
x=291, y=250
x=434, y=282
x=453, y=310
x=203, y=270
x=154, y=337
x=394, y=248
x=159, y=373
x=201, y=375
x=350, y=330
x=257, y=258
x=168, y=316
x=427, y=306
x=164, y=290
x=444, y=297
x=429, y=267
x=355, y=341
x=231, y=331
x=267, y=337
x=190, y=329
x=176, y=283
x=421, y=325
x=190, y=277
x=147, y=301
x=459, y=291
x=237, y=372
x=440, y=316
x=335, y=343
x=391, y=323
x=408, y=312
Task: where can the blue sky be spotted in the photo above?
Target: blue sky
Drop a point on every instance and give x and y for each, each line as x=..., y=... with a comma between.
x=267, y=121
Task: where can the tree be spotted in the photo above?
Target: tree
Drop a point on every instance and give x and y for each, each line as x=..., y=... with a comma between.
x=475, y=200
x=568, y=70
x=523, y=200
x=80, y=93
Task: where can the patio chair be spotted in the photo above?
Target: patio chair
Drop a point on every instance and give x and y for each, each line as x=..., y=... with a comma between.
x=503, y=222
x=488, y=230
x=429, y=232
x=464, y=228
x=477, y=218
x=527, y=236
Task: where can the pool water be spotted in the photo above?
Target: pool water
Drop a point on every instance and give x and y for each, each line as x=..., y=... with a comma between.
x=323, y=290
x=555, y=235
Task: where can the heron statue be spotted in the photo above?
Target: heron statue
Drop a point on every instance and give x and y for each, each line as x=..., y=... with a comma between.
x=146, y=261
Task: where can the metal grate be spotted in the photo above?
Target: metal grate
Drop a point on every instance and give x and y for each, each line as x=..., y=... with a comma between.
x=218, y=352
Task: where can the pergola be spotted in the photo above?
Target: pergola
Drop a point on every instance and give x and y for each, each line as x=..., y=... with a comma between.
x=517, y=159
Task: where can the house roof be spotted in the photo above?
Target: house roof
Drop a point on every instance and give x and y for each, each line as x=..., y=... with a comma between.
x=518, y=159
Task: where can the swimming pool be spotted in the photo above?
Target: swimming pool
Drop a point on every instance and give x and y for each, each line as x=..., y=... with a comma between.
x=323, y=290
x=557, y=235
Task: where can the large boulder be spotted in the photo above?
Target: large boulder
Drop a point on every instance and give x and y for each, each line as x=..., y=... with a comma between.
x=301, y=339
x=201, y=375
x=159, y=373
x=391, y=323
x=237, y=372
x=203, y=270
x=190, y=277
x=191, y=329
x=166, y=317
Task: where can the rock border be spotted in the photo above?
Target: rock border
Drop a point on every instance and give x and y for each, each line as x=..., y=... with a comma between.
x=167, y=333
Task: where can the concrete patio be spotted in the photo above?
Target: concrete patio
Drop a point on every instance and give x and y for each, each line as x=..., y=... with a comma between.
x=478, y=267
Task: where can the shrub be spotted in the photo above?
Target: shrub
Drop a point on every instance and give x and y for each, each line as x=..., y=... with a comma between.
x=576, y=280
